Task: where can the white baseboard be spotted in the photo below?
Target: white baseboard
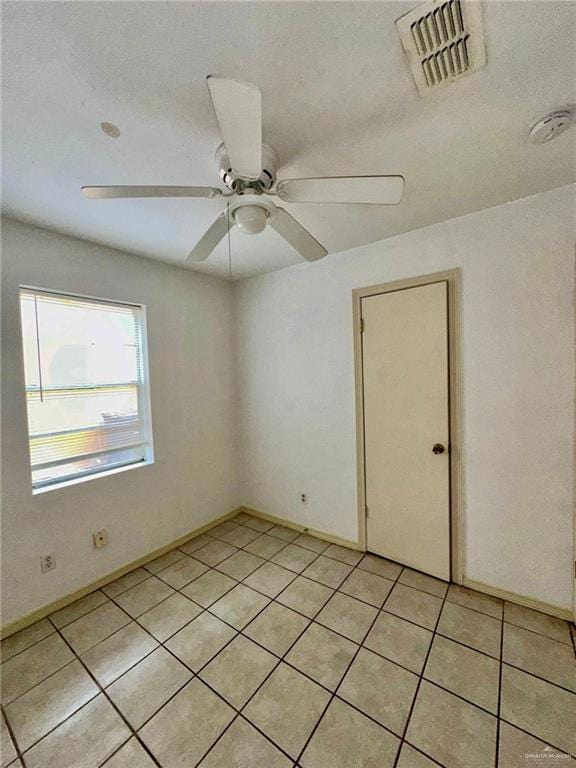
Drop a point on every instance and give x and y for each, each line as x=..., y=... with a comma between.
x=62, y=602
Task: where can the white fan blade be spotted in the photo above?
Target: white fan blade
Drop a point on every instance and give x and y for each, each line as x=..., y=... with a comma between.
x=366, y=190
x=104, y=193
x=298, y=237
x=238, y=107
x=211, y=238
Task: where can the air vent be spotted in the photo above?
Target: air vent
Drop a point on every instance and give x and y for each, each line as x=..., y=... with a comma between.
x=444, y=40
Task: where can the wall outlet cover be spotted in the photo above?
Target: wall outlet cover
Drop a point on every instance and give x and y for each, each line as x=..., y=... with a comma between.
x=100, y=538
x=48, y=562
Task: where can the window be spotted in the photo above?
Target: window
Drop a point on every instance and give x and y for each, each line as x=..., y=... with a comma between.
x=86, y=386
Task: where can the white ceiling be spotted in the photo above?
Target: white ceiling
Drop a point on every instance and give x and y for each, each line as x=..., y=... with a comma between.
x=338, y=100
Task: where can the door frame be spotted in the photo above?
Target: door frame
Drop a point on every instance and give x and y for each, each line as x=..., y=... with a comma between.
x=453, y=280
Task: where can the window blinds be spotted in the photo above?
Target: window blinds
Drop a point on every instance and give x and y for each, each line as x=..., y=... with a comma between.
x=84, y=385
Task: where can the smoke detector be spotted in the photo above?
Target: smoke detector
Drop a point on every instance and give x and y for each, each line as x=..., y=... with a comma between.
x=443, y=40
x=552, y=124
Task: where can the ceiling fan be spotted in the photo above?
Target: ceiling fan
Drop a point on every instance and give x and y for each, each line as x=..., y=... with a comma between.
x=247, y=168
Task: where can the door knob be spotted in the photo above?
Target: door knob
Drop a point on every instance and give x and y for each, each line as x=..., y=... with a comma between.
x=438, y=448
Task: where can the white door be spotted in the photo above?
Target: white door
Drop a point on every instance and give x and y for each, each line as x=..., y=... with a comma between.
x=406, y=426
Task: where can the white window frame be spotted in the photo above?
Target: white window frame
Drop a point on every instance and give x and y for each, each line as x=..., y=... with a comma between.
x=144, y=401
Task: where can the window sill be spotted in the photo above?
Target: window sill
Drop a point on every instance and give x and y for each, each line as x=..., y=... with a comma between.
x=94, y=476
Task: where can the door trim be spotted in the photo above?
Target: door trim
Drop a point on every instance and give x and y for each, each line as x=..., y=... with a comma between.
x=453, y=279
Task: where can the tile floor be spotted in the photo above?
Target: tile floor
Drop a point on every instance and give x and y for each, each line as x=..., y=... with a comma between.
x=252, y=646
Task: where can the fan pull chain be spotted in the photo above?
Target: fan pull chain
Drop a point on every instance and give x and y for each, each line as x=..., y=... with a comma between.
x=229, y=244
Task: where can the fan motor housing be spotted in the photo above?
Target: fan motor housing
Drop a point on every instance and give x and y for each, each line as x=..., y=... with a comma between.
x=236, y=183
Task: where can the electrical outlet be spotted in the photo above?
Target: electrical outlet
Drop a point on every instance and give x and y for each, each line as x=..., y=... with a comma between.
x=100, y=538
x=304, y=498
x=48, y=562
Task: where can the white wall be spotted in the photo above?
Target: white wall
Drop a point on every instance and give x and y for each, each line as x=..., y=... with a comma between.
x=193, y=479
x=296, y=386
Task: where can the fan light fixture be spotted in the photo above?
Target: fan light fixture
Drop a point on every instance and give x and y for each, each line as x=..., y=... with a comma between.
x=247, y=167
x=251, y=219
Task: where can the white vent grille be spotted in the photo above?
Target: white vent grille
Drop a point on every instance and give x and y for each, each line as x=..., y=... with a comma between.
x=444, y=40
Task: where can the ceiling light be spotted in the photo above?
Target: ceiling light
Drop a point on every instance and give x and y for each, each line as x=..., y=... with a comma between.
x=251, y=219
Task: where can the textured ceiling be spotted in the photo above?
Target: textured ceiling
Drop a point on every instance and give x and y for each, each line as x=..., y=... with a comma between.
x=338, y=100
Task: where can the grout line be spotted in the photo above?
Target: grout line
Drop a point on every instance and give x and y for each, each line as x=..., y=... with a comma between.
x=420, y=678
x=499, y=706
x=110, y=701
x=12, y=736
x=352, y=660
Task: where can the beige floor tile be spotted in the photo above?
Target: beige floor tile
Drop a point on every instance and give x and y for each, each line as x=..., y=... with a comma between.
x=240, y=536
x=265, y=546
x=242, y=517
x=195, y=544
x=240, y=565
x=239, y=606
x=367, y=586
x=540, y=655
x=399, y=640
x=79, y=608
x=344, y=554
x=294, y=558
x=380, y=689
x=166, y=618
x=471, y=628
x=27, y=637
x=451, y=731
x=7, y=748
x=126, y=582
x=322, y=655
x=347, y=616
x=182, y=572
x=305, y=596
x=48, y=704
x=270, y=579
x=469, y=598
x=519, y=750
x=200, y=640
x=243, y=747
x=183, y=731
x=542, y=709
x=115, y=655
x=238, y=670
x=276, y=628
x=287, y=707
x=131, y=755
x=85, y=740
x=139, y=599
x=380, y=566
x=164, y=561
x=414, y=605
x=423, y=582
x=286, y=534
x=146, y=687
x=214, y=552
x=88, y=631
x=22, y=672
x=346, y=738
x=411, y=758
x=311, y=542
x=546, y=625
x=329, y=572
x=465, y=672
x=208, y=588
x=223, y=528
x=257, y=524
